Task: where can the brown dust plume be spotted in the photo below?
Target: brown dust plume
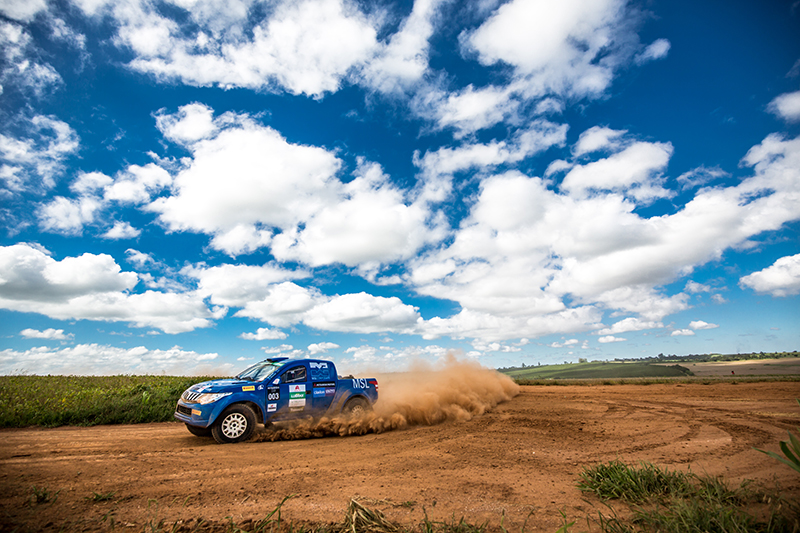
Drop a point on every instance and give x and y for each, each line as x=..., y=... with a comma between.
x=425, y=395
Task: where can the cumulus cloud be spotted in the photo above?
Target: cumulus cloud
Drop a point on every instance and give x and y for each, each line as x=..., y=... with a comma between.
x=321, y=347
x=786, y=106
x=630, y=324
x=569, y=48
x=34, y=158
x=101, y=360
x=699, y=324
x=521, y=254
x=92, y=287
x=49, y=333
x=781, y=279
x=286, y=196
x=263, y=334
x=610, y=338
x=682, y=333
x=121, y=230
x=22, y=67
x=303, y=47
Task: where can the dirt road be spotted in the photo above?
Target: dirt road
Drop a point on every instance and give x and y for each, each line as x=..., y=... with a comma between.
x=522, y=455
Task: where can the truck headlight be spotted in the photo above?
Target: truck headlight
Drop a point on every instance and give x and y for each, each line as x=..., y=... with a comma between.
x=210, y=397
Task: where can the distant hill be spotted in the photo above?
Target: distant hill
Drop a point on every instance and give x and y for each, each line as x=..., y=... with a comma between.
x=594, y=370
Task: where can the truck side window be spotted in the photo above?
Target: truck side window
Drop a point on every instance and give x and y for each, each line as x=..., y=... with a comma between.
x=293, y=375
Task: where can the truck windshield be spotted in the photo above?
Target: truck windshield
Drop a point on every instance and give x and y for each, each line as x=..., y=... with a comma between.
x=258, y=371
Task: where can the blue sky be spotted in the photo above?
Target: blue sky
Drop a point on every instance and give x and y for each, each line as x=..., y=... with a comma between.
x=188, y=186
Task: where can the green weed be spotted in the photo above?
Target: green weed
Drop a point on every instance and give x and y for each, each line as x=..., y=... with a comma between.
x=43, y=495
x=790, y=448
x=101, y=496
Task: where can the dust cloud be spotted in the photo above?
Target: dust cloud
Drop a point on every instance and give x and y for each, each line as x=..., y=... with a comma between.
x=425, y=395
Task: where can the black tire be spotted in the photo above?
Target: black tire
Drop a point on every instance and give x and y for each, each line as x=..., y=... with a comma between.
x=356, y=407
x=198, y=431
x=236, y=424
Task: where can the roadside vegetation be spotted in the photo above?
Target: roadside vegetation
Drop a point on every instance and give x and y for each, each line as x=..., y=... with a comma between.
x=89, y=400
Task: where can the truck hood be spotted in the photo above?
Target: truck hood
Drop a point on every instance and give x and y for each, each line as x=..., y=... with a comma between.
x=222, y=385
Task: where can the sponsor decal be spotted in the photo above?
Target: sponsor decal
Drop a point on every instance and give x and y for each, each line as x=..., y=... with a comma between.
x=296, y=404
x=196, y=412
x=261, y=387
x=319, y=371
x=324, y=384
x=330, y=392
x=248, y=388
x=272, y=407
x=297, y=388
x=319, y=393
x=296, y=395
x=360, y=383
x=273, y=394
x=276, y=381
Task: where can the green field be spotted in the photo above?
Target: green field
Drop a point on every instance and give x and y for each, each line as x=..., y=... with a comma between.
x=596, y=370
x=89, y=400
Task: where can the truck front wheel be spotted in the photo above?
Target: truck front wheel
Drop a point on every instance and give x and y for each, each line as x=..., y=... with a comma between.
x=235, y=424
x=357, y=407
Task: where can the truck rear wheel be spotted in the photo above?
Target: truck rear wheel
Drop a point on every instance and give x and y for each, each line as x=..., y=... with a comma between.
x=235, y=424
x=357, y=407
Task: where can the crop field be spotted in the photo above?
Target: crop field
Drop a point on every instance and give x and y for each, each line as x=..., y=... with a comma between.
x=89, y=400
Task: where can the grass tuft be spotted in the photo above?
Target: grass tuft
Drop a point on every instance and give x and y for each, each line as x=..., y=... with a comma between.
x=675, y=502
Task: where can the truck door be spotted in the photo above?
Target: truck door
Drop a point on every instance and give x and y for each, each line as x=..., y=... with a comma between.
x=292, y=391
x=323, y=386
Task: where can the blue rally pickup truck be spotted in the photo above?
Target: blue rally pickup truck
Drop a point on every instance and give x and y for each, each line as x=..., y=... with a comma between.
x=273, y=390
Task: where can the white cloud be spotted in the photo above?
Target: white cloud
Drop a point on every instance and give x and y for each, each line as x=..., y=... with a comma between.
x=700, y=176
x=288, y=197
x=239, y=285
x=95, y=359
x=630, y=324
x=321, y=347
x=303, y=47
x=403, y=61
x=633, y=171
x=699, y=324
x=682, y=333
x=137, y=184
x=537, y=137
x=263, y=334
x=786, y=106
x=34, y=159
x=568, y=48
x=521, y=255
x=362, y=313
x=22, y=10
x=598, y=138
x=49, y=333
x=121, y=230
x=780, y=279
x=695, y=288
x=658, y=49
x=66, y=216
x=22, y=67
x=92, y=287
x=610, y=338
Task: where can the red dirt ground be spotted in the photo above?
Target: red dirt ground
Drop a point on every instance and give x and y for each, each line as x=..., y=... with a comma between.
x=520, y=459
